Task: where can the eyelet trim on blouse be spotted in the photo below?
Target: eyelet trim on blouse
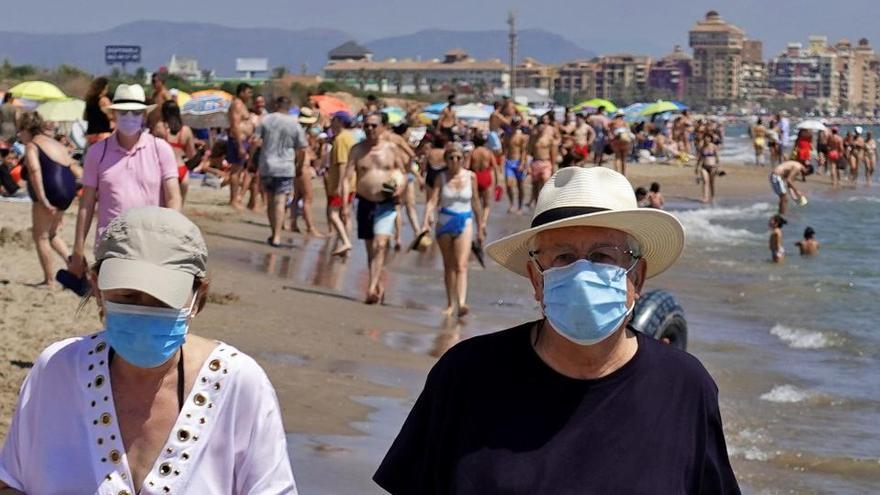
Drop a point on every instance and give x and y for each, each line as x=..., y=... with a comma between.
x=195, y=421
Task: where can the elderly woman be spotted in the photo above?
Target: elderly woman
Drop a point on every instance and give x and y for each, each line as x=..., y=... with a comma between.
x=51, y=176
x=458, y=222
x=143, y=406
x=576, y=402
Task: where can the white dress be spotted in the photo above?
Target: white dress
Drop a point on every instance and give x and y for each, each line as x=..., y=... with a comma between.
x=64, y=437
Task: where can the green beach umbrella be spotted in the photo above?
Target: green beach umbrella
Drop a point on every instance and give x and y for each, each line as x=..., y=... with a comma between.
x=661, y=106
x=595, y=103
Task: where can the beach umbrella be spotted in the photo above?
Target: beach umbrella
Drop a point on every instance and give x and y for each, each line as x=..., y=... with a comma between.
x=181, y=97
x=435, y=107
x=473, y=111
x=428, y=118
x=38, y=91
x=396, y=115
x=212, y=92
x=328, y=105
x=681, y=106
x=661, y=106
x=595, y=103
x=812, y=125
x=69, y=110
x=206, y=111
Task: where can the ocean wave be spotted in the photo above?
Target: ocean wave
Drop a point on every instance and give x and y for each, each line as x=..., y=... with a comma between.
x=750, y=453
x=787, y=394
x=702, y=224
x=863, y=199
x=798, y=338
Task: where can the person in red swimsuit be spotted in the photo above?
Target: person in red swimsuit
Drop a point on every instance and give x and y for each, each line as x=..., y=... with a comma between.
x=180, y=137
x=482, y=163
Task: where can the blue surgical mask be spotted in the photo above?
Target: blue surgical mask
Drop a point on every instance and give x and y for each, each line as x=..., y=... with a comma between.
x=585, y=302
x=145, y=336
x=129, y=123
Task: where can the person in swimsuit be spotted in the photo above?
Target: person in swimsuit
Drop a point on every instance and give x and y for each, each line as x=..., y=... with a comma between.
x=144, y=406
x=808, y=246
x=759, y=139
x=8, y=119
x=515, y=149
x=241, y=129
x=822, y=150
x=381, y=179
x=781, y=181
x=599, y=122
x=583, y=136
x=433, y=162
x=621, y=142
x=171, y=128
x=707, y=169
x=835, y=155
x=857, y=156
x=777, y=251
x=51, y=183
x=870, y=156
x=448, y=119
x=543, y=151
x=482, y=164
x=98, y=116
x=457, y=197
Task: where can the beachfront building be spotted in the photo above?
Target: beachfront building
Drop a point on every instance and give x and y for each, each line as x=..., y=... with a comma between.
x=531, y=73
x=349, y=50
x=457, y=70
x=809, y=74
x=187, y=68
x=858, y=82
x=576, y=80
x=753, y=83
x=621, y=75
x=671, y=73
x=718, y=48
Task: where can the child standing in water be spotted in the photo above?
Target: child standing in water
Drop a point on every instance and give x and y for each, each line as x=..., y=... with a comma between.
x=809, y=246
x=777, y=252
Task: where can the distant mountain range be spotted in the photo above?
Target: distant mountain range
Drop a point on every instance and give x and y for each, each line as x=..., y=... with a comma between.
x=216, y=47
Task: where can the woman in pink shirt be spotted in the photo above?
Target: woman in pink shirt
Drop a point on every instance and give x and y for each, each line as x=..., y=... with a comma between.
x=129, y=169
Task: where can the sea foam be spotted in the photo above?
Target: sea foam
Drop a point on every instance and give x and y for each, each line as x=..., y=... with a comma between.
x=702, y=224
x=797, y=338
x=786, y=394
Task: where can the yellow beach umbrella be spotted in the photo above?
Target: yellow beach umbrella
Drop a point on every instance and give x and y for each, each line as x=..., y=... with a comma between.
x=37, y=91
x=212, y=92
x=182, y=96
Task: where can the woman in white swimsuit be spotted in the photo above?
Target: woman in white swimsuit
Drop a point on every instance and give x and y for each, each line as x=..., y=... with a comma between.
x=459, y=203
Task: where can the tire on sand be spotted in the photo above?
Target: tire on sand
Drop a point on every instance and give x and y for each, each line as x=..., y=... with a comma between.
x=659, y=315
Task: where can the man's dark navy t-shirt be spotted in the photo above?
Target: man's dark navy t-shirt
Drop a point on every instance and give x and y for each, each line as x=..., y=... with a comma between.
x=494, y=418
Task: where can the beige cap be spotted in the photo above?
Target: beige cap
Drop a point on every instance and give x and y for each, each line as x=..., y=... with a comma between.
x=153, y=250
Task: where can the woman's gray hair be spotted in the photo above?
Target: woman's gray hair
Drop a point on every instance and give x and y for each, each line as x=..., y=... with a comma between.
x=452, y=148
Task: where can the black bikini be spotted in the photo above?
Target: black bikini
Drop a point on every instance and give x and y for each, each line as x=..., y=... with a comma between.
x=59, y=183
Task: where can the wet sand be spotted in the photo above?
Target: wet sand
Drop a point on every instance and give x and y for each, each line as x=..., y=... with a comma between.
x=299, y=313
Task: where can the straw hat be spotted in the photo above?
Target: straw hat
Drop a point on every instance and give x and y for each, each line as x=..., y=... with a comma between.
x=130, y=97
x=307, y=116
x=595, y=197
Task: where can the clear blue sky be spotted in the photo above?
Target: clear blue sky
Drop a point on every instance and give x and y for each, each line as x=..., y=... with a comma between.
x=642, y=26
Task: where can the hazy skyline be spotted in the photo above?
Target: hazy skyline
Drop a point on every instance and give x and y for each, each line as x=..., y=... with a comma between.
x=638, y=26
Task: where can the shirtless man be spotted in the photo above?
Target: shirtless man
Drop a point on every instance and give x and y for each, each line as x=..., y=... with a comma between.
x=497, y=123
x=160, y=95
x=583, y=136
x=515, y=144
x=822, y=150
x=599, y=122
x=781, y=181
x=251, y=180
x=482, y=161
x=621, y=142
x=835, y=155
x=380, y=179
x=808, y=246
x=681, y=129
x=543, y=149
x=406, y=155
x=241, y=128
x=566, y=128
x=448, y=120
x=759, y=139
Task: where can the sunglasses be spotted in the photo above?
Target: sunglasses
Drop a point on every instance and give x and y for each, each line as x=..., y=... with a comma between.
x=371, y=126
x=131, y=112
x=456, y=158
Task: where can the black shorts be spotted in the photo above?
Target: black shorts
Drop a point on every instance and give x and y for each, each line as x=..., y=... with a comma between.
x=432, y=174
x=375, y=218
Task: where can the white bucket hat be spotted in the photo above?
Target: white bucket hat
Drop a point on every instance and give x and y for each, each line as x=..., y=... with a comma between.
x=595, y=197
x=130, y=97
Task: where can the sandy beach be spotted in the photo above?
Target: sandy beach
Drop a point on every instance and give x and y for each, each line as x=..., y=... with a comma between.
x=313, y=340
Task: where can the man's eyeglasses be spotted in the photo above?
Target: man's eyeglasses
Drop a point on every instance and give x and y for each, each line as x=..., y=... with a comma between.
x=607, y=254
x=130, y=112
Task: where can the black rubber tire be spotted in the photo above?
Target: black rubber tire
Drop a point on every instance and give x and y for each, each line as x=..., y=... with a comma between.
x=659, y=315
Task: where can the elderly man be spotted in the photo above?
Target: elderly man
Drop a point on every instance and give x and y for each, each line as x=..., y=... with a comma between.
x=576, y=402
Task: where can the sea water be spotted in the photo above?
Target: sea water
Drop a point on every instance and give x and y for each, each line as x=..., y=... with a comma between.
x=798, y=341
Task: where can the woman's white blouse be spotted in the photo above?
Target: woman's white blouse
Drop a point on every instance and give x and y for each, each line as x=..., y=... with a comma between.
x=64, y=437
